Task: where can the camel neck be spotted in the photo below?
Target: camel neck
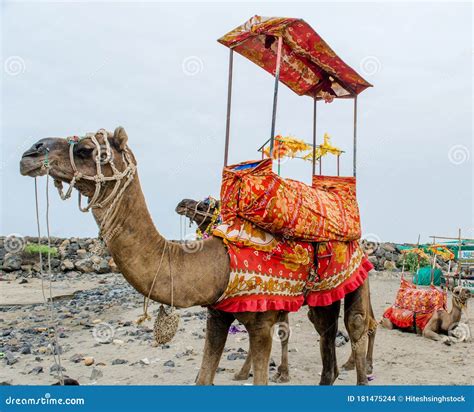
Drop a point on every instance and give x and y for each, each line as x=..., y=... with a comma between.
x=141, y=253
x=455, y=313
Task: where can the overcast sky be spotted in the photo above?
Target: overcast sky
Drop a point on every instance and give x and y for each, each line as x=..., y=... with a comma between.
x=157, y=70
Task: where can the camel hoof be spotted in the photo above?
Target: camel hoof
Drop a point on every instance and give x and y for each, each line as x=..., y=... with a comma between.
x=280, y=377
x=348, y=366
x=241, y=376
x=370, y=369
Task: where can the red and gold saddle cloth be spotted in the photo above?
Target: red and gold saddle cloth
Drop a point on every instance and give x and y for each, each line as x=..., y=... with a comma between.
x=271, y=273
x=414, y=306
x=283, y=207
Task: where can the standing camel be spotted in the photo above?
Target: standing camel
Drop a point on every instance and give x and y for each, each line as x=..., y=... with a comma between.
x=103, y=169
x=204, y=214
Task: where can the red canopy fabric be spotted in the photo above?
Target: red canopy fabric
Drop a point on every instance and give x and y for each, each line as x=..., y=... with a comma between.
x=308, y=66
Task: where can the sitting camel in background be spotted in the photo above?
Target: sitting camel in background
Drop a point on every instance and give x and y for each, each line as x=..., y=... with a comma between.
x=203, y=213
x=442, y=323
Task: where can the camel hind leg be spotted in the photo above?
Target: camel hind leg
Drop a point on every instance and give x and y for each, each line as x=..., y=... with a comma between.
x=324, y=319
x=356, y=319
x=218, y=324
x=283, y=372
x=259, y=326
x=244, y=372
x=350, y=364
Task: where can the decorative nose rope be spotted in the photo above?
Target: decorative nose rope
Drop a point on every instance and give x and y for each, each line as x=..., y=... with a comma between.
x=101, y=158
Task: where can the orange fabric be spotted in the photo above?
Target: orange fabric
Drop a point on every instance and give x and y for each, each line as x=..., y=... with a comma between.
x=308, y=65
x=287, y=208
x=415, y=305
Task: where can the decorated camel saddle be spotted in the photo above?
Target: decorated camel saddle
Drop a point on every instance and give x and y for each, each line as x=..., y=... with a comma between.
x=414, y=307
x=276, y=229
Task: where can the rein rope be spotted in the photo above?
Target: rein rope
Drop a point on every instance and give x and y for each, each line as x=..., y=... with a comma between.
x=103, y=157
x=54, y=342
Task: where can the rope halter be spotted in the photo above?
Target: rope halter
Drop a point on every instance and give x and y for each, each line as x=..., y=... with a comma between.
x=103, y=156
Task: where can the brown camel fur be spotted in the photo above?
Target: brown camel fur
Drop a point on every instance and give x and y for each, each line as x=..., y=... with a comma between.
x=201, y=214
x=442, y=323
x=200, y=270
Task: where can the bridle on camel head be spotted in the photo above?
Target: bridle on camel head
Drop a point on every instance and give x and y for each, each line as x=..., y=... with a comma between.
x=200, y=213
x=460, y=302
x=103, y=156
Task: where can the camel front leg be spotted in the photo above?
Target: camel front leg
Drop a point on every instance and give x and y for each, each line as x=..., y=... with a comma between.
x=218, y=324
x=259, y=326
x=244, y=372
x=324, y=319
x=356, y=319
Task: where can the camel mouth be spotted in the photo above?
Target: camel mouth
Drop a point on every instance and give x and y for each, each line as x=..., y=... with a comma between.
x=182, y=207
x=32, y=167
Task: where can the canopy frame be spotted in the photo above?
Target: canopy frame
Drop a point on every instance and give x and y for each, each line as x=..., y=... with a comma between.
x=234, y=39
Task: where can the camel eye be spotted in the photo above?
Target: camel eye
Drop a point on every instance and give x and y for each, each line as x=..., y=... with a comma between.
x=84, y=152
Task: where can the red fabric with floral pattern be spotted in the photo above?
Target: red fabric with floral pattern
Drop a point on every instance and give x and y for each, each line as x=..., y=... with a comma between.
x=270, y=273
x=308, y=65
x=415, y=306
x=288, y=208
x=267, y=280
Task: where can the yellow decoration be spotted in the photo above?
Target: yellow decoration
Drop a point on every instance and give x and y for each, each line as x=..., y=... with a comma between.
x=291, y=147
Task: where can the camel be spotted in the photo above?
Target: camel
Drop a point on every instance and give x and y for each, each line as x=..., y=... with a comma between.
x=102, y=168
x=441, y=325
x=203, y=214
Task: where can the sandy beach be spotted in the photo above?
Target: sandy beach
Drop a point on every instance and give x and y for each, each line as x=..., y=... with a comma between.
x=97, y=316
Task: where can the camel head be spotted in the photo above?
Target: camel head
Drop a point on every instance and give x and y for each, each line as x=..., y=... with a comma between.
x=200, y=212
x=191, y=208
x=461, y=296
x=92, y=155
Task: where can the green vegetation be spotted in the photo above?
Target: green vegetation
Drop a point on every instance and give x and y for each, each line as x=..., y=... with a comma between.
x=34, y=248
x=411, y=262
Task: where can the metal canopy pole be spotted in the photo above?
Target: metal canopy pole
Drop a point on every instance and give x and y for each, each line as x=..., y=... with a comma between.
x=315, y=104
x=354, y=161
x=275, y=93
x=229, y=99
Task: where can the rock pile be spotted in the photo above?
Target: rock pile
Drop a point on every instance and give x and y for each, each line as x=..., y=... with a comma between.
x=89, y=255
x=387, y=256
x=84, y=255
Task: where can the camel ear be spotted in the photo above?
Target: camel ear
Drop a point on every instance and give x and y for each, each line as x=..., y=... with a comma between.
x=120, y=138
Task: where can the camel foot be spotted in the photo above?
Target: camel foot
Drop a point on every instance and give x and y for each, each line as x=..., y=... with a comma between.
x=239, y=376
x=386, y=324
x=370, y=369
x=280, y=377
x=329, y=378
x=348, y=366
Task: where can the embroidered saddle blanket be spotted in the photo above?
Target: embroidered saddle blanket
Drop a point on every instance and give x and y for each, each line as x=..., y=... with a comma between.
x=415, y=306
x=283, y=207
x=272, y=273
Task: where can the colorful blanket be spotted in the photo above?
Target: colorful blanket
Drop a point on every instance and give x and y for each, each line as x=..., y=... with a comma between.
x=290, y=209
x=414, y=306
x=271, y=273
